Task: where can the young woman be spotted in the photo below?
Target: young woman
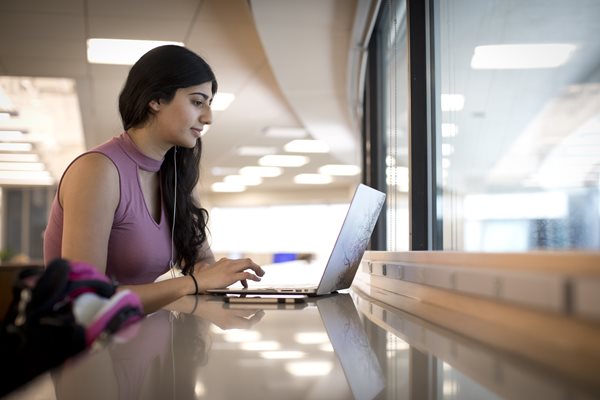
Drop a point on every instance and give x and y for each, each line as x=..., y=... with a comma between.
x=128, y=206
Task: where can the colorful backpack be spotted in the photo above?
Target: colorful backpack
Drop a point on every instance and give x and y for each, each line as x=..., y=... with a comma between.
x=56, y=313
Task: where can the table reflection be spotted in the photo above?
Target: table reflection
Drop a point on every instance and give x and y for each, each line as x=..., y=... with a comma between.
x=338, y=347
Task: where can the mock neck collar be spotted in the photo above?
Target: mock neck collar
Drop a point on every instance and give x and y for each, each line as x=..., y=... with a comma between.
x=143, y=161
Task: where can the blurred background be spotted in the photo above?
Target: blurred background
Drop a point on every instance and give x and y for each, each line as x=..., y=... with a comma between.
x=515, y=116
x=281, y=157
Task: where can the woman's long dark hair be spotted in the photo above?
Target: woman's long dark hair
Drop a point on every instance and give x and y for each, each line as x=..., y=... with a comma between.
x=156, y=76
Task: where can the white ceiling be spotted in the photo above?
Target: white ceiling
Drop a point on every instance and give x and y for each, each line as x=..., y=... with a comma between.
x=285, y=61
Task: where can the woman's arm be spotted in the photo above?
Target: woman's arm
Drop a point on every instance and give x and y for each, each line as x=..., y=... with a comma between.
x=89, y=195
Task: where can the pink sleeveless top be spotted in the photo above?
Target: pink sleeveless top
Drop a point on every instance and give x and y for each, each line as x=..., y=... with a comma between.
x=139, y=249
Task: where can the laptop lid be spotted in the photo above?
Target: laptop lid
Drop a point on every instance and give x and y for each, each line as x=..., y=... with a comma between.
x=352, y=240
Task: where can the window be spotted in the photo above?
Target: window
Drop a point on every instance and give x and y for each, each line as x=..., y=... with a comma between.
x=25, y=214
x=391, y=47
x=519, y=124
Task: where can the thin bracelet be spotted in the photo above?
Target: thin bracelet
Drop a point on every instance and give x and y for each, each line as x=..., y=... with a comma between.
x=195, y=283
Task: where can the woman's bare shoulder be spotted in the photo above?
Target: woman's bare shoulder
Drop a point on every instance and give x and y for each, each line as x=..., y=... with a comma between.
x=93, y=173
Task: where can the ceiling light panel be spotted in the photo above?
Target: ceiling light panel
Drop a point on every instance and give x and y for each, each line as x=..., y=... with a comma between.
x=14, y=136
x=339, y=170
x=5, y=103
x=227, y=187
x=21, y=147
x=447, y=149
x=18, y=157
x=120, y=51
x=222, y=171
x=312, y=179
x=521, y=56
x=283, y=161
x=285, y=133
x=449, y=130
x=21, y=166
x=306, y=146
x=452, y=102
x=246, y=180
x=264, y=172
x=222, y=101
x=26, y=178
x=255, y=150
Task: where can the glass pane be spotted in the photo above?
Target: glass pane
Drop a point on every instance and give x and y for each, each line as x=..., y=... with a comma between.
x=518, y=123
x=38, y=219
x=394, y=106
x=13, y=201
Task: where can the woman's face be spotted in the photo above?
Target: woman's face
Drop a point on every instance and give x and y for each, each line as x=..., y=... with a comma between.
x=180, y=121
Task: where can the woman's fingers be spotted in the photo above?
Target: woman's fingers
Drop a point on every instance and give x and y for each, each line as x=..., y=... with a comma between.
x=226, y=271
x=243, y=264
x=245, y=275
x=249, y=264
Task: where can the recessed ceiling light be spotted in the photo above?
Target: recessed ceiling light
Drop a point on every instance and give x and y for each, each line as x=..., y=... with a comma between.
x=4, y=116
x=26, y=177
x=339, y=170
x=264, y=172
x=449, y=130
x=227, y=187
x=285, y=133
x=452, y=102
x=5, y=102
x=120, y=51
x=12, y=135
x=277, y=160
x=246, y=180
x=18, y=157
x=222, y=171
x=306, y=146
x=221, y=101
x=447, y=149
x=521, y=56
x=255, y=150
x=16, y=147
x=312, y=179
x=21, y=166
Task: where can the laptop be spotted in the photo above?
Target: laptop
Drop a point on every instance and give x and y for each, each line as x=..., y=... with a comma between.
x=351, y=243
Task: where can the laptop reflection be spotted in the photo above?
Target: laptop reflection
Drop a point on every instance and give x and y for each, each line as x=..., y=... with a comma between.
x=349, y=341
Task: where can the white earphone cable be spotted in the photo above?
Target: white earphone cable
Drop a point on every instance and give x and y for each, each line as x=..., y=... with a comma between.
x=172, y=263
